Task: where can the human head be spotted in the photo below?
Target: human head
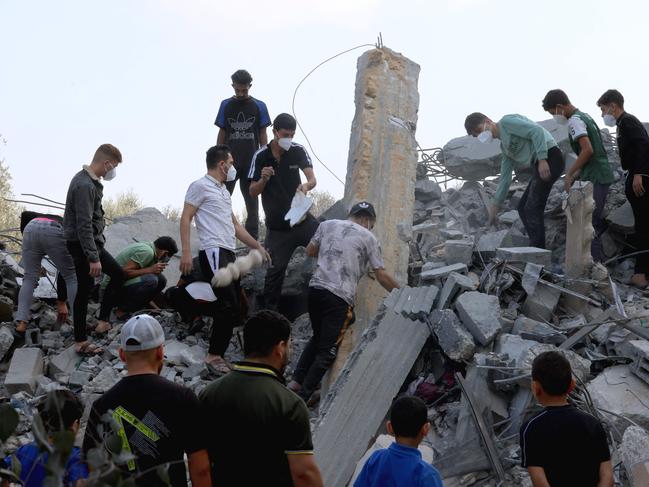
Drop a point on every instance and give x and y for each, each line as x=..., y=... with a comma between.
x=165, y=248
x=142, y=343
x=611, y=103
x=107, y=157
x=60, y=410
x=551, y=376
x=363, y=213
x=476, y=123
x=219, y=160
x=556, y=102
x=284, y=127
x=409, y=418
x=266, y=338
x=241, y=82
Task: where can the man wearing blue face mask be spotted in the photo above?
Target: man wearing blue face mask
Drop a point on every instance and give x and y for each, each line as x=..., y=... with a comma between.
x=633, y=146
x=523, y=143
x=592, y=162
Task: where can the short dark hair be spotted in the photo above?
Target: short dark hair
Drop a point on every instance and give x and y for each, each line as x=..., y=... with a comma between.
x=241, y=77
x=166, y=243
x=284, y=121
x=552, y=370
x=263, y=330
x=554, y=98
x=107, y=151
x=474, y=122
x=407, y=415
x=611, y=96
x=216, y=154
x=59, y=410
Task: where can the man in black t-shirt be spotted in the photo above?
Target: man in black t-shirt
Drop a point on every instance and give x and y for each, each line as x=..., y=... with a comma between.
x=242, y=122
x=562, y=446
x=158, y=421
x=275, y=175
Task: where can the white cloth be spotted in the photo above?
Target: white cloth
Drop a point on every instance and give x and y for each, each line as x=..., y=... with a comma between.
x=214, y=215
x=201, y=291
x=300, y=205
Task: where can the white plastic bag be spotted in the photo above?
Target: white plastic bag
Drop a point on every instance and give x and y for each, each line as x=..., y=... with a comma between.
x=299, y=207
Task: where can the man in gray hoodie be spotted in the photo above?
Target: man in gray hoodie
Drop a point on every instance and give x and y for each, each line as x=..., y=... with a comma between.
x=83, y=229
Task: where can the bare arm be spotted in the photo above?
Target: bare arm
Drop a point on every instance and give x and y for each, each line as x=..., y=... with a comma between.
x=386, y=280
x=584, y=156
x=605, y=474
x=257, y=187
x=242, y=234
x=133, y=269
x=220, y=138
x=304, y=471
x=310, y=180
x=199, y=469
x=537, y=474
x=312, y=249
x=185, y=228
x=263, y=136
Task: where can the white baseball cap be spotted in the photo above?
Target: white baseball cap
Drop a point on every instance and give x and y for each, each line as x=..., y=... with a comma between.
x=142, y=332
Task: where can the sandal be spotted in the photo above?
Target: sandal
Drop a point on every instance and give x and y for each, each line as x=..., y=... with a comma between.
x=218, y=366
x=88, y=349
x=102, y=329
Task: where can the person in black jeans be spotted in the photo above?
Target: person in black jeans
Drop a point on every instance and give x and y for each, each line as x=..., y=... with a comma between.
x=83, y=230
x=633, y=146
x=275, y=174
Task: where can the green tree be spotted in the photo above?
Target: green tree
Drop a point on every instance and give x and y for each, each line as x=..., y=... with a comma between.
x=322, y=201
x=124, y=204
x=9, y=211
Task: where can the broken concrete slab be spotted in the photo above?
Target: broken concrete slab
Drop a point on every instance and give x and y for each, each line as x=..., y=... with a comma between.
x=427, y=190
x=533, y=255
x=64, y=363
x=451, y=234
x=355, y=406
x=441, y=272
x=468, y=158
x=173, y=350
x=514, y=346
x=6, y=340
x=535, y=330
x=580, y=366
x=458, y=251
x=104, y=380
x=509, y=217
x=490, y=242
x=639, y=351
x=480, y=313
x=454, y=284
x=541, y=305
x=26, y=365
x=634, y=451
x=454, y=339
x=621, y=219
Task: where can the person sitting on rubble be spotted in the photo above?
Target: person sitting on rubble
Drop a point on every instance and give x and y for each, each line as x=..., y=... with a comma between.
x=562, y=445
x=250, y=409
x=43, y=235
x=523, y=143
x=401, y=464
x=159, y=421
x=346, y=250
x=60, y=411
x=592, y=162
x=143, y=264
x=633, y=147
x=208, y=201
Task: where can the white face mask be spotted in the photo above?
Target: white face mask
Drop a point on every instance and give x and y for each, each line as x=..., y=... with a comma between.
x=285, y=143
x=110, y=174
x=232, y=174
x=609, y=120
x=486, y=136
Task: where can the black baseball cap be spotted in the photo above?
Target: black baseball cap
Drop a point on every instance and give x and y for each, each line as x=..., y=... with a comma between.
x=363, y=207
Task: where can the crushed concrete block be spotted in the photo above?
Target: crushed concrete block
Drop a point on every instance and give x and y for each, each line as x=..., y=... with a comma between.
x=621, y=219
x=573, y=323
x=104, y=380
x=79, y=378
x=509, y=217
x=535, y=330
x=173, y=350
x=450, y=234
x=458, y=251
x=514, y=346
x=467, y=158
x=33, y=337
x=65, y=362
x=6, y=340
x=580, y=366
x=454, y=339
x=193, y=355
x=429, y=266
x=454, y=284
x=26, y=365
x=480, y=314
x=490, y=242
x=413, y=303
x=427, y=227
x=639, y=351
x=541, y=305
x=441, y=272
x=427, y=190
x=634, y=451
x=533, y=255
x=6, y=308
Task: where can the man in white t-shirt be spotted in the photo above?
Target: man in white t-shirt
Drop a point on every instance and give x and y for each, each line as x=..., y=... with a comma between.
x=208, y=202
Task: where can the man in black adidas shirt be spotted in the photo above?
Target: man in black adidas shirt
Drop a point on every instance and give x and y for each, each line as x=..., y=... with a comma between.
x=275, y=175
x=158, y=421
x=242, y=122
x=562, y=446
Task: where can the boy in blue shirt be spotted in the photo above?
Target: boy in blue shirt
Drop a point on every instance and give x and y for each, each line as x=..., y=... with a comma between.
x=401, y=464
x=60, y=411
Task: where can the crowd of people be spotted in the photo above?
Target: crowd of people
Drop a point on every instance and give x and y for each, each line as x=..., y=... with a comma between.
x=249, y=427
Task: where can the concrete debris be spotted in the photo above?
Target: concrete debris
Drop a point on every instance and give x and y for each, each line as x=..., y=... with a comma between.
x=621, y=219
x=6, y=340
x=481, y=315
x=532, y=255
x=26, y=365
x=458, y=251
x=535, y=330
x=514, y=347
x=639, y=351
x=453, y=337
x=441, y=272
x=454, y=284
x=509, y=217
x=427, y=190
x=490, y=242
x=541, y=305
x=634, y=451
x=413, y=303
x=580, y=365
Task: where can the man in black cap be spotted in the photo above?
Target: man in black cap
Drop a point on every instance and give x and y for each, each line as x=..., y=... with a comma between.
x=346, y=250
x=275, y=175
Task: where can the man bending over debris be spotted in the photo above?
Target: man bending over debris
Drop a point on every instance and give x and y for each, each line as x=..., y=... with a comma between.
x=143, y=264
x=592, y=162
x=345, y=249
x=83, y=229
x=633, y=146
x=158, y=421
x=251, y=410
x=208, y=199
x=562, y=446
x=523, y=143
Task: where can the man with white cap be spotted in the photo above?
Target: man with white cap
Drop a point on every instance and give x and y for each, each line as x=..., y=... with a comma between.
x=158, y=421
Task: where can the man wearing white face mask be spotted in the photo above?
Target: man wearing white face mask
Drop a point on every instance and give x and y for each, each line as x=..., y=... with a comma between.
x=275, y=174
x=633, y=146
x=83, y=230
x=523, y=143
x=592, y=162
x=208, y=199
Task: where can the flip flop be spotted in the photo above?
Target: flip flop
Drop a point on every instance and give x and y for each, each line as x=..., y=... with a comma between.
x=102, y=332
x=89, y=349
x=218, y=367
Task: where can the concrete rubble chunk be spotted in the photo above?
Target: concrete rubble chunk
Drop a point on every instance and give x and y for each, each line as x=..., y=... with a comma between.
x=580, y=366
x=639, y=351
x=468, y=158
x=454, y=284
x=541, y=305
x=6, y=340
x=490, y=242
x=458, y=251
x=355, y=406
x=514, y=346
x=621, y=219
x=427, y=190
x=535, y=330
x=173, y=351
x=65, y=362
x=441, y=272
x=480, y=313
x=533, y=255
x=453, y=338
x=24, y=369
x=413, y=303
x=450, y=234
x=634, y=451
x=509, y=217
x=104, y=380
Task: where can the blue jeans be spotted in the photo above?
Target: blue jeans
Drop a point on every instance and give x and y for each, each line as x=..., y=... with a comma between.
x=137, y=296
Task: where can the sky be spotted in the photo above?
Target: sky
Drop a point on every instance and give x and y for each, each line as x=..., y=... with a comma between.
x=148, y=75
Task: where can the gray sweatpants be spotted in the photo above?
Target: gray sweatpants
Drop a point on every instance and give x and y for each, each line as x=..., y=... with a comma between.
x=41, y=238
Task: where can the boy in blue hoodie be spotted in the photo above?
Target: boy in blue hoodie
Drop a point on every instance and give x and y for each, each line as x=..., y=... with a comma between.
x=401, y=464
